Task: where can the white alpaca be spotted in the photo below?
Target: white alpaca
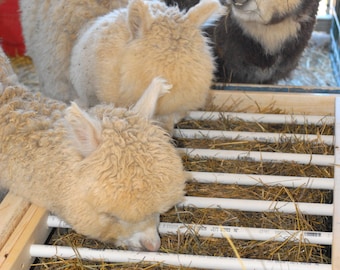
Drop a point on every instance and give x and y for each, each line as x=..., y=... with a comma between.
x=118, y=52
x=108, y=172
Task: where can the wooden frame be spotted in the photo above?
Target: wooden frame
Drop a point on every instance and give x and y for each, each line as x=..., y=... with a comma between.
x=291, y=103
x=22, y=223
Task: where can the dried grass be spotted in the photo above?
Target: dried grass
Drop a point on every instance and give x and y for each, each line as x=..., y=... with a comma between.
x=314, y=67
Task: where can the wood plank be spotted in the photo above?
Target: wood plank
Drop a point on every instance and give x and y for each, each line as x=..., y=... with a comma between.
x=290, y=103
x=32, y=229
x=12, y=209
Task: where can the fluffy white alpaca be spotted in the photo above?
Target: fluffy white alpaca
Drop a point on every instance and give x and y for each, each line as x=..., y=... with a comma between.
x=108, y=172
x=118, y=52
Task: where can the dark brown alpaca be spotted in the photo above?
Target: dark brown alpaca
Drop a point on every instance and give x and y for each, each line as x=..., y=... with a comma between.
x=259, y=41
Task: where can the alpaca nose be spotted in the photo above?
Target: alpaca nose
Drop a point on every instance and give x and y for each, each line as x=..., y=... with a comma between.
x=240, y=3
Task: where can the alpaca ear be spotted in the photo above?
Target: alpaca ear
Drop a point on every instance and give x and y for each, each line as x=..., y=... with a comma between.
x=139, y=18
x=205, y=12
x=84, y=130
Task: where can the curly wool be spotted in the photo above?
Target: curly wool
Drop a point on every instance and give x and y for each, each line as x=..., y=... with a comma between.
x=108, y=172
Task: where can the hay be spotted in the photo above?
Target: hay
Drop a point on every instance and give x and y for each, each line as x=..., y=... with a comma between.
x=225, y=123
x=190, y=243
x=314, y=67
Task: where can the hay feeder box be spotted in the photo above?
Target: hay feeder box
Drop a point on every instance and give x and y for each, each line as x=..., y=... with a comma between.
x=24, y=227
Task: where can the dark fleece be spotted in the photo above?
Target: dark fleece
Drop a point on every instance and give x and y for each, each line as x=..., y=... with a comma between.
x=241, y=59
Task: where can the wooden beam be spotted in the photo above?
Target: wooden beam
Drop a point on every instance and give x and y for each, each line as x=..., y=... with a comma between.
x=290, y=103
x=12, y=209
x=32, y=228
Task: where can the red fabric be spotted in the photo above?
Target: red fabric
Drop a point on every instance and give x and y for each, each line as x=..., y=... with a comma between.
x=11, y=38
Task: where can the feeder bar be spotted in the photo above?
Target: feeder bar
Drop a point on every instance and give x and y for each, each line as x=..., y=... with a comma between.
x=316, y=209
x=251, y=136
x=241, y=233
x=183, y=260
x=263, y=180
x=263, y=118
x=256, y=156
x=336, y=196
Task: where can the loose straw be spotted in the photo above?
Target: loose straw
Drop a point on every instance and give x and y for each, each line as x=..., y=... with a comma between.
x=250, y=136
x=256, y=156
x=240, y=233
x=231, y=243
x=183, y=260
x=260, y=180
x=263, y=118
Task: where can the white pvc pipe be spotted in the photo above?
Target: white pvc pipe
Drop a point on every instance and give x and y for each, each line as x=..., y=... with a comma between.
x=240, y=233
x=263, y=180
x=260, y=205
x=248, y=233
x=263, y=118
x=55, y=222
x=251, y=136
x=182, y=260
x=336, y=193
x=256, y=156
